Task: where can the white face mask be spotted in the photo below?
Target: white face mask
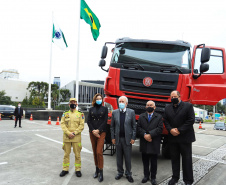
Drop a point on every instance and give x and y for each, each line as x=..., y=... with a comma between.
x=19, y=105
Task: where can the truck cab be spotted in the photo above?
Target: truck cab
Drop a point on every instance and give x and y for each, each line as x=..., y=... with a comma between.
x=146, y=70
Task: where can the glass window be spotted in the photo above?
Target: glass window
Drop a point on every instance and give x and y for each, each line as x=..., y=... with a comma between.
x=215, y=62
x=153, y=54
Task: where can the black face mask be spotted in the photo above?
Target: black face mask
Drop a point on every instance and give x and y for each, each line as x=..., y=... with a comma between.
x=149, y=109
x=73, y=106
x=174, y=100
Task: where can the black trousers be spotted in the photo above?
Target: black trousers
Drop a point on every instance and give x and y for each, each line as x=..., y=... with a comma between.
x=184, y=150
x=18, y=117
x=147, y=159
x=123, y=151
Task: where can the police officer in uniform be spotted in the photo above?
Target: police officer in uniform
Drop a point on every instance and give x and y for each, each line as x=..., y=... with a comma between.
x=72, y=124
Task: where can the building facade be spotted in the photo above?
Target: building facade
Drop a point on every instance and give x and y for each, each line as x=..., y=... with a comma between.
x=57, y=81
x=86, y=90
x=9, y=73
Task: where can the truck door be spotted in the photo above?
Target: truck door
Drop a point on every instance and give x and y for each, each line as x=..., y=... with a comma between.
x=210, y=87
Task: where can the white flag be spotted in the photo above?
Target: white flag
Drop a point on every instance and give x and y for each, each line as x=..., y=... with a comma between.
x=58, y=36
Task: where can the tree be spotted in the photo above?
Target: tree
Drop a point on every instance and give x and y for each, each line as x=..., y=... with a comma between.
x=65, y=95
x=4, y=100
x=39, y=89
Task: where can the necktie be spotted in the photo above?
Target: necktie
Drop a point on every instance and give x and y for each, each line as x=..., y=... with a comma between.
x=149, y=118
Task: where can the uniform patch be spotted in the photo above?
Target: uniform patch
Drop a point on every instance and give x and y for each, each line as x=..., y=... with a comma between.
x=62, y=115
x=82, y=116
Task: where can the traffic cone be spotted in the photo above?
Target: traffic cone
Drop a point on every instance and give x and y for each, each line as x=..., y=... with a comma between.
x=49, y=121
x=200, y=125
x=0, y=117
x=57, y=123
x=31, y=118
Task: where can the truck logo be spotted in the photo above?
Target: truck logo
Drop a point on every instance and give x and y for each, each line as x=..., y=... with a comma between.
x=147, y=81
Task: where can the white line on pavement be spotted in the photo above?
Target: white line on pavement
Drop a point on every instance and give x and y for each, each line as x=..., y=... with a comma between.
x=68, y=178
x=3, y=163
x=15, y=148
x=35, y=130
x=204, y=158
x=201, y=131
x=83, y=149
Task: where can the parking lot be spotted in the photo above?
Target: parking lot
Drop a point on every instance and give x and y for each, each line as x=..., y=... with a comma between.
x=33, y=155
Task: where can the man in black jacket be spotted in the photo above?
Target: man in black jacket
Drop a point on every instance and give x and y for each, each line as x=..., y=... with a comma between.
x=150, y=128
x=179, y=118
x=18, y=113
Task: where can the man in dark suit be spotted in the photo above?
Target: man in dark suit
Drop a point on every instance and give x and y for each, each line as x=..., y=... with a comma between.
x=149, y=128
x=18, y=113
x=179, y=118
x=123, y=135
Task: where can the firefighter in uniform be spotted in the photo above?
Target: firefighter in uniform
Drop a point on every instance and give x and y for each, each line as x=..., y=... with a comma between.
x=72, y=124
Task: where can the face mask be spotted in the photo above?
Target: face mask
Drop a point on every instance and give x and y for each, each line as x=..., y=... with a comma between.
x=98, y=102
x=174, y=100
x=19, y=105
x=149, y=109
x=73, y=106
x=122, y=105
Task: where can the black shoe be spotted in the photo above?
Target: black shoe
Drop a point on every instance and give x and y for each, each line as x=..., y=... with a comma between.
x=145, y=179
x=20, y=126
x=187, y=184
x=153, y=182
x=101, y=177
x=130, y=179
x=118, y=176
x=78, y=173
x=172, y=181
x=96, y=173
x=63, y=173
x=14, y=126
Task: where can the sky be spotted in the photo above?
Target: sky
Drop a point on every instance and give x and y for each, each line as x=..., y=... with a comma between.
x=26, y=30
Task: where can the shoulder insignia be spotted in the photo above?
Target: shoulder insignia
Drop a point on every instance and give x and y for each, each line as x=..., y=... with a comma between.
x=82, y=116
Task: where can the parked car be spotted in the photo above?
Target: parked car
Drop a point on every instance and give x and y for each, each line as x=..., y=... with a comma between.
x=7, y=111
x=219, y=126
x=198, y=119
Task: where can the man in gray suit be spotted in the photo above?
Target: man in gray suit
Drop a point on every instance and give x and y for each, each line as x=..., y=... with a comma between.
x=123, y=135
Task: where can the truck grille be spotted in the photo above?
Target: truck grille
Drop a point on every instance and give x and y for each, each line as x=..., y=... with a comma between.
x=138, y=106
x=163, y=83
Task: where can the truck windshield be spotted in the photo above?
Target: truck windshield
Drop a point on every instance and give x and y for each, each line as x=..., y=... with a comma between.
x=152, y=54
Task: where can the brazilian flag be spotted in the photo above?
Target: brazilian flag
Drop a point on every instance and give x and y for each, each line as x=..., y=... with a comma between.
x=90, y=18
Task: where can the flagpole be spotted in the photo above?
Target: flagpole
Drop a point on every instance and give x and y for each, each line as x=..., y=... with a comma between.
x=50, y=69
x=78, y=49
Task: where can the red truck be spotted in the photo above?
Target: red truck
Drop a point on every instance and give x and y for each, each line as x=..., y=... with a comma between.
x=146, y=70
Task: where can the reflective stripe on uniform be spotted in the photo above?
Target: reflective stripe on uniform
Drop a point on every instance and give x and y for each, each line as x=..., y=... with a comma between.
x=79, y=144
x=66, y=164
x=63, y=144
x=77, y=164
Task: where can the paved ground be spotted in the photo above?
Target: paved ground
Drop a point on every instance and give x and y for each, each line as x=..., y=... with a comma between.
x=32, y=155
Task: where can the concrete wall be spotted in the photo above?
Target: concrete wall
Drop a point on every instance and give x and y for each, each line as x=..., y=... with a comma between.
x=16, y=89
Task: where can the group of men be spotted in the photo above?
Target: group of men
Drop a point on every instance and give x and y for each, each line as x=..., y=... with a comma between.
x=178, y=119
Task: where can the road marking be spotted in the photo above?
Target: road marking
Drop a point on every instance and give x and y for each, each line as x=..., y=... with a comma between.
x=201, y=131
x=68, y=177
x=202, y=166
x=3, y=163
x=35, y=130
x=83, y=149
x=16, y=148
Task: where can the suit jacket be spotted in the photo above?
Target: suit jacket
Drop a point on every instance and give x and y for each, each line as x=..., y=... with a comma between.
x=16, y=112
x=129, y=125
x=97, y=118
x=183, y=119
x=154, y=128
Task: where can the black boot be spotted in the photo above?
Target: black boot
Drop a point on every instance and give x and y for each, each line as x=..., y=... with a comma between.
x=101, y=178
x=96, y=173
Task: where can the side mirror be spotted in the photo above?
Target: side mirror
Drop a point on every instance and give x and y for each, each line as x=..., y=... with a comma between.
x=102, y=63
x=205, y=56
x=204, y=68
x=104, y=52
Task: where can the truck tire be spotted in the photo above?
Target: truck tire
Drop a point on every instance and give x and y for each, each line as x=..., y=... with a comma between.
x=166, y=148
